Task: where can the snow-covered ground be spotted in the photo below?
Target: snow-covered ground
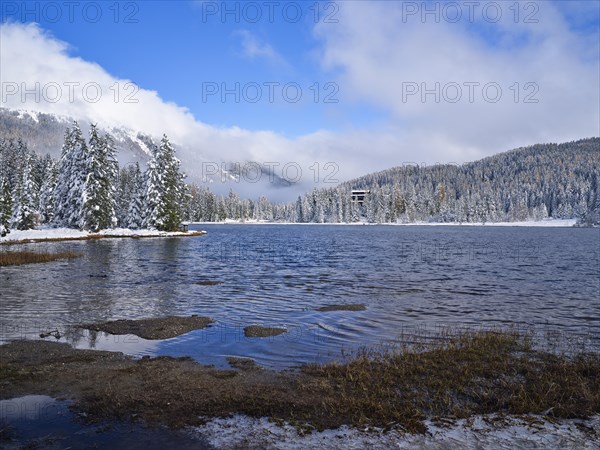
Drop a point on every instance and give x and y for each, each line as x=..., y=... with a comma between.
x=482, y=432
x=533, y=223
x=536, y=223
x=68, y=233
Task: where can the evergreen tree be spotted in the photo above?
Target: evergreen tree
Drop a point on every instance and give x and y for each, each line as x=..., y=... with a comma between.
x=232, y=205
x=5, y=207
x=71, y=181
x=100, y=168
x=299, y=210
x=123, y=194
x=165, y=189
x=264, y=209
x=25, y=215
x=47, y=193
x=136, y=204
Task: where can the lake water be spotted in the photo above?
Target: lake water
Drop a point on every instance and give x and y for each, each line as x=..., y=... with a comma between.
x=412, y=279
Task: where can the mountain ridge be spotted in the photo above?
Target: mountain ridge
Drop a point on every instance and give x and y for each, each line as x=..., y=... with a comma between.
x=44, y=134
x=595, y=141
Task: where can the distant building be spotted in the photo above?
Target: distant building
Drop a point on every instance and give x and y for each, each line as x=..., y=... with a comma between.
x=358, y=196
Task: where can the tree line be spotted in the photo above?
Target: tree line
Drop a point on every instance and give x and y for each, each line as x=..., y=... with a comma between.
x=533, y=183
x=86, y=189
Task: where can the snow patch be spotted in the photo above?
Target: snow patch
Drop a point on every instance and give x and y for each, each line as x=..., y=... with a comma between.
x=44, y=233
x=35, y=115
x=23, y=113
x=531, y=223
x=143, y=145
x=491, y=431
x=68, y=233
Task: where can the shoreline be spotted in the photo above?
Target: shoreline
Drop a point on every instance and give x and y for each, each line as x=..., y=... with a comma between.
x=241, y=431
x=16, y=237
x=469, y=375
x=549, y=223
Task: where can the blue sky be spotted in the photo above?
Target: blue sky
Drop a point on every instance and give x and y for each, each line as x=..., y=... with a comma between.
x=174, y=47
x=371, y=52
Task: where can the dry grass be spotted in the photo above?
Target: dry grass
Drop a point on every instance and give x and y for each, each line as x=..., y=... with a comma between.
x=472, y=373
x=19, y=258
x=242, y=363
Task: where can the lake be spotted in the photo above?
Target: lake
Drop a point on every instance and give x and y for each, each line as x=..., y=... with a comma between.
x=414, y=281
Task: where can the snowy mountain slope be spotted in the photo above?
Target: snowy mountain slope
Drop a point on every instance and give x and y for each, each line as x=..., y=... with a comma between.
x=44, y=133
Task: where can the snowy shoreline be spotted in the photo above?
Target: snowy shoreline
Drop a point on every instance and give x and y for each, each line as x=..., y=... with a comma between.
x=492, y=431
x=68, y=234
x=559, y=223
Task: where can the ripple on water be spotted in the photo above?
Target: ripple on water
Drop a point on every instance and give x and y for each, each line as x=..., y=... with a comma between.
x=276, y=276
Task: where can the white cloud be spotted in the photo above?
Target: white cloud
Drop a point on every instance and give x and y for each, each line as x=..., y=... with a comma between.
x=30, y=57
x=374, y=49
x=253, y=49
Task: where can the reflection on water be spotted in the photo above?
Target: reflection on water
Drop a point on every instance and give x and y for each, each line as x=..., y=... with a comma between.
x=126, y=343
x=410, y=278
x=39, y=421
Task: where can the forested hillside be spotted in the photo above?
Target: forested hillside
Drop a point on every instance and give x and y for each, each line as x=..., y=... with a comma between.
x=533, y=183
x=545, y=180
x=86, y=189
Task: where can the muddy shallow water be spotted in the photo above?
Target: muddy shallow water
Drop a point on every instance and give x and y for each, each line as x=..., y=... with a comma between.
x=39, y=421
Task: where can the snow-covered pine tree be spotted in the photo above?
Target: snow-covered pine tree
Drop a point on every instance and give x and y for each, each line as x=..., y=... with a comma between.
x=136, y=204
x=5, y=207
x=210, y=206
x=232, y=203
x=25, y=215
x=153, y=194
x=71, y=180
x=16, y=156
x=299, y=211
x=108, y=182
x=318, y=215
x=165, y=189
x=47, y=192
x=123, y=195
x=98, y=203
x=264, y=209
x=61, y=191
x=195, y=208
x=40, y=167
x=221, y=212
